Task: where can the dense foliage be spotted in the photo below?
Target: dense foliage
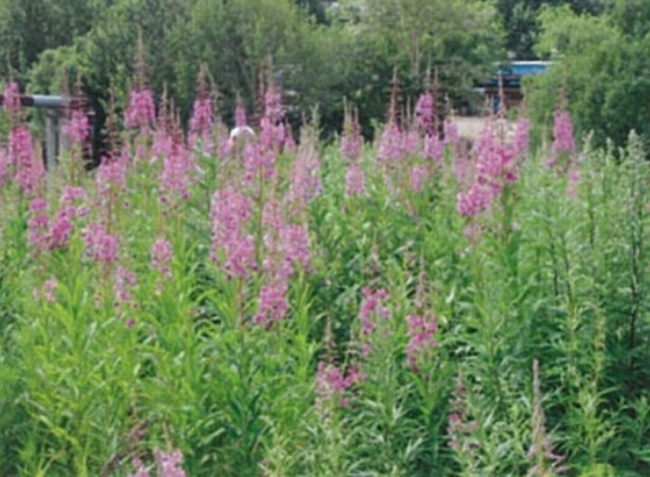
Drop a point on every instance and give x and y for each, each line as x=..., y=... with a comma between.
x=602, y=68
x=242, y=306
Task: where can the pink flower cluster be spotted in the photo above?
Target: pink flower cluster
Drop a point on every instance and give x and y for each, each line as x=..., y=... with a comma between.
x=169, y=463
x=175, y=177
x=232, y=247
x=372, y=309
x=125, y=281
x=77, y=127
x=201, y=124
x=273, y=305
x=496, y=166
x=273, y=131
x=41, y=236
x=101, y=246
x=421, y=333
x=351, y=137
x=161, y=256
x=332, y=383
x=563, y=142
x=355, y=180
x=29, y=169
x=111, y=176
x=141, y=111
x=424, y=113
x=305, y=183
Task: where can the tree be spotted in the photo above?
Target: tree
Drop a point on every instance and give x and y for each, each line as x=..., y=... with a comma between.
x=603, y=73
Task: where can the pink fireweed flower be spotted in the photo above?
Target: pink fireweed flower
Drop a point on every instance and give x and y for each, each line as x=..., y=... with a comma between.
x=451, y=134
x=418, y=175
x=290, y=143
x=240, y=116
x=111, y=176
x=355, y=180
x=3, y=166
x=201, y=124
x=563, y=133
x=574, y=182
x=168, y=464
x=11, y=99
x=563, y=142
x=101, y=246
x=272, y=235
x=140, y=469
x=163, y=144
x=496, y=166
x=421, y=333
x=372, y=309
x=476, y=200
x=48, y=289
x=331, y=383
x=161, y=256
x=38, y=225
x=72, y=195
x=273, y=305
x=410, y=142
x=174, y=179
x=77, y=127
x=141, y=111
x=61, y=230
x=390, y=144
x=258, y=161
x=296, y=245
x=351, y=137
x=424, y=113
x=125, y=281
x=305, y=183
x=433, y=148
x=29, y=169
x=521, y=140
x=273, y=133
x=232, y=247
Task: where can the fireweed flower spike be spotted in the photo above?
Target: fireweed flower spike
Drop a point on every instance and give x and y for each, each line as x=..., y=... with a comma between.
x=168, y=464
x=331, y=383
x=563, y=143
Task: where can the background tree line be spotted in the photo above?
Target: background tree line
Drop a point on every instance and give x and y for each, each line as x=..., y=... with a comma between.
x=324, y=51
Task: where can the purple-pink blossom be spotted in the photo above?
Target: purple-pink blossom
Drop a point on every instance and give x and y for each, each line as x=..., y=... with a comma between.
x=38, y=225
x=161, y=256
x=421, y=332
x=125, y=281
x=355, y=180
x=305, y=183
x=101, y=246
x=424, y=113
x=273, y=305
x=331, y=382
x=141, y=111
x=11, y=99
x=201, y=124
x=390, y=144
x=29, y=169
x=77, y=127
x=371, y=311
x=168, y=464
x=140, y=469
x=175, y=177
x=233, y=247
x=418, y=175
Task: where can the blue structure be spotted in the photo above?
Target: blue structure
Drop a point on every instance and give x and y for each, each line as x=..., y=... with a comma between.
x=510, y=76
